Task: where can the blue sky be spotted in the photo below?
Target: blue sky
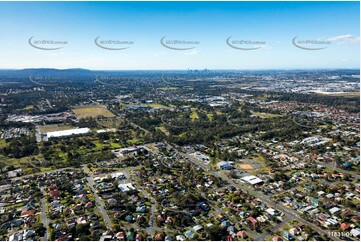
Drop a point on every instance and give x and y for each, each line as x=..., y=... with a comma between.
x=275, y=24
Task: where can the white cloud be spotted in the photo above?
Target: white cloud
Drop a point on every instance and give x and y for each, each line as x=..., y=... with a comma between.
x=346, y=39
x=260, y=47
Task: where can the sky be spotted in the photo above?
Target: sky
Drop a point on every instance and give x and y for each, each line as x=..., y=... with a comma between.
x=265, y=29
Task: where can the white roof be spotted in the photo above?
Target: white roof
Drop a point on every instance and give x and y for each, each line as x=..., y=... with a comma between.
x=355, y=232
x=126, y=187
x=106, y=130
x=307, y=208
x=270, y=211
x=67, y=132
x=252, y=179
x=117, y=174
x=334, y=210
x=198, y=227
x=180, y=237
x=332, y=221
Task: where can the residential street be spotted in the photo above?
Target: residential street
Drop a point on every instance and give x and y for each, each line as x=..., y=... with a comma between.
x=152, y=225
x=98, y=200
x=44, y=218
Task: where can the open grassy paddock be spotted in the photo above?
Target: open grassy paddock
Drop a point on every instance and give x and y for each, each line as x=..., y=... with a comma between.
x=266, y=115
x=92, y=111
x=54, y=127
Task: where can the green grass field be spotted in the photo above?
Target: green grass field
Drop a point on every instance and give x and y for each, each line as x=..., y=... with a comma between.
x=156, y=105
x=92, y=111
x=54, y=127
x=168, y=88
x=266, y=115
x=194, y=114
x=29, y=107
x=24, y=163
x=163, y=129
x=345, y=94
x=109, y=123
x=2, y=143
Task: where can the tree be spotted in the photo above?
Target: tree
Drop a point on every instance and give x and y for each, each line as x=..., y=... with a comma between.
x=2, y=165
x=233, y=174
x=39, y=229
x=82, y=228
x=216, y=232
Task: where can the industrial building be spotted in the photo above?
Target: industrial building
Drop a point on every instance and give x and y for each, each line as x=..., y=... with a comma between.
x=68, y=132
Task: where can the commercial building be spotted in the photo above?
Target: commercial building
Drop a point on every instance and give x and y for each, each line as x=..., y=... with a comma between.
x=252, y=180
x=225, y=165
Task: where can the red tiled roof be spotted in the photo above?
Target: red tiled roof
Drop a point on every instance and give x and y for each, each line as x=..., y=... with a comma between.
x=344, y=226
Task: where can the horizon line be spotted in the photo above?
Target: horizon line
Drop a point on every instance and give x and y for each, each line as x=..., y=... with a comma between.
x=189, y=69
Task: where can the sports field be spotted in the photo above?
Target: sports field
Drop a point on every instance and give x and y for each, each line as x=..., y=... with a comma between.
x=246, y=166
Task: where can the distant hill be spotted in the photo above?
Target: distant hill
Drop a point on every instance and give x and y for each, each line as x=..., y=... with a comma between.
x=24, y=73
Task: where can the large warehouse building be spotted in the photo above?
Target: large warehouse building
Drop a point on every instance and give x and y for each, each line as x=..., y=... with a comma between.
x=67, y=132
